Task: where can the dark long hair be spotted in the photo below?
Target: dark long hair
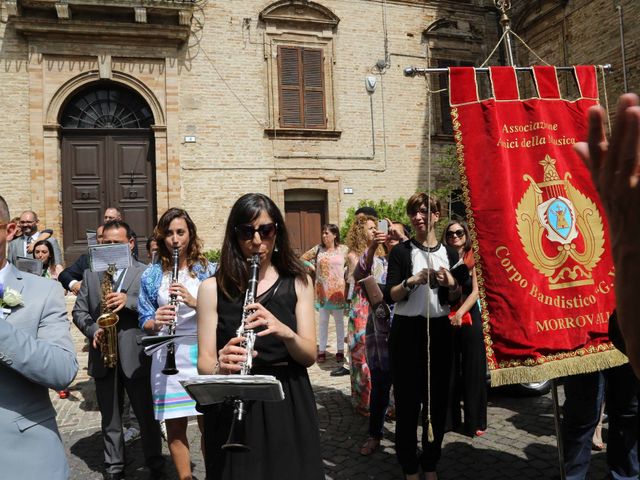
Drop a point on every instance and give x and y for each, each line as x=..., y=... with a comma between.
x=233, y=270
x=332, y=228
x=465, y=227
x=194, y=249
x=49, y=247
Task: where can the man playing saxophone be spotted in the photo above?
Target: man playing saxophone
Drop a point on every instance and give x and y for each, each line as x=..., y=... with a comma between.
x=132, y=369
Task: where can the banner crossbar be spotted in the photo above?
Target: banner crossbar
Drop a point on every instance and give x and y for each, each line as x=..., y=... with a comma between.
x=419, y=71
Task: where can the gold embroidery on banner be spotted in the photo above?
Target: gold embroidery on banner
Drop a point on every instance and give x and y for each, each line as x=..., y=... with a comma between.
x=555, y=209
x=587, y=221
x=484, y=307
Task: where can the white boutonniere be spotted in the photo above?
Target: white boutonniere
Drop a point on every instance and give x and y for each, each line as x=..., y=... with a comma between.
x=9, y=298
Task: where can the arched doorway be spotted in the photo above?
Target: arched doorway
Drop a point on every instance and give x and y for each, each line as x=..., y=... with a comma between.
x=107, y=161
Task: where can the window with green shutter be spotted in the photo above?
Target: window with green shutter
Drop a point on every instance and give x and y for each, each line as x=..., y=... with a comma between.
x=301, y=87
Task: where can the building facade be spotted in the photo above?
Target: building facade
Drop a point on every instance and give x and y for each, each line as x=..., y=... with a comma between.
x=156, y=103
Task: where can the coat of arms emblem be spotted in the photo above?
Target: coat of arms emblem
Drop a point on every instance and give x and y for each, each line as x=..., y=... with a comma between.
x=560, y=228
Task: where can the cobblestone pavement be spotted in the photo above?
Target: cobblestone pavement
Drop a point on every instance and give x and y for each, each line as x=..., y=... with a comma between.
x=519, y=443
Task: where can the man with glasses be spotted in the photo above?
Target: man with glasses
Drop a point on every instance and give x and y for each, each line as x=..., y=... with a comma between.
x=36, y=354
x=114, y=213
x=19, y=247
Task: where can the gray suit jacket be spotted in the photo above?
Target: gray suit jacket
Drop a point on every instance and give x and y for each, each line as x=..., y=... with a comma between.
x=86, y=311
x=36, y=353
x=16, y=249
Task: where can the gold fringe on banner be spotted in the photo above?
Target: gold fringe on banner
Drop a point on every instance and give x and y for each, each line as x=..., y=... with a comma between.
x=558, y=368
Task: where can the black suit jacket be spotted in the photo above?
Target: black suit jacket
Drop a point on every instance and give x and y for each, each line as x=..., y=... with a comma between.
x=75, y=271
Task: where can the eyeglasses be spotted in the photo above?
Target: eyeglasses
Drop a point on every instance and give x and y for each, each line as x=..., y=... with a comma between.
x=247, y=232
x=424, y=211
x=455, y=233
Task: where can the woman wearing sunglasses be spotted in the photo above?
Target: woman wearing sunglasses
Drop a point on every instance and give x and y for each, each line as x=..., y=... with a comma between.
x=420, y=283
x=171, y=403
x=470, y=364
x=283, y=436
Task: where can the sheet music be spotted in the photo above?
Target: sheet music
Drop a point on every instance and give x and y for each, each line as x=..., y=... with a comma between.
x=153, y=343
x=101, y=256
x=30, y=265
x=92, y=238
x=212, y=389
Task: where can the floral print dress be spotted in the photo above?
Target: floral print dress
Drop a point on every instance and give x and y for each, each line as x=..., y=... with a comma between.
x=358, y=315
x=330, y=283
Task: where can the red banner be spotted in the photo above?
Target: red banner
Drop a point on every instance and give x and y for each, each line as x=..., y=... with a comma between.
x=539, y=234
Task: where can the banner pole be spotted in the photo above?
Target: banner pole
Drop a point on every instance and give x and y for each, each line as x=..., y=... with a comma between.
x=415, y=71
x=505, y=21
x=556, y=421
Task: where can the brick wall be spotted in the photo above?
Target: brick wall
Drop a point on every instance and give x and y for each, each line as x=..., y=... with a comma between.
x=583, y=32
x=14, y=122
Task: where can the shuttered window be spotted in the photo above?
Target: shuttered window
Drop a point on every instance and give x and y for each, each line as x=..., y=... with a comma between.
x=301, y=87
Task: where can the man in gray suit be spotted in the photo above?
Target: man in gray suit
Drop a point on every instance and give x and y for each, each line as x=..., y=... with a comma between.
x=18, y=246
x=133, y=369
x=36, y=353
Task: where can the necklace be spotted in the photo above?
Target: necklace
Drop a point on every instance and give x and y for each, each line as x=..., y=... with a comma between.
x=435, y=248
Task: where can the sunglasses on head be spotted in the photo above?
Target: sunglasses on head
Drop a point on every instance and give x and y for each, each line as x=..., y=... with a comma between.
x=266, y=231
x=455, y=233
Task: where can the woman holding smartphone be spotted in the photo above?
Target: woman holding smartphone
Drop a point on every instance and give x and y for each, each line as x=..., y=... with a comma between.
x=363, y=240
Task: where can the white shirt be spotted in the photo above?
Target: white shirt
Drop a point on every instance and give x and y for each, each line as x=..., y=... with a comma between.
x=4, y=271
x=423, y=301
x=34, y=237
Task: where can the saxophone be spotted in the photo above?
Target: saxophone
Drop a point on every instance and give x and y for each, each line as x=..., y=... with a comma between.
x=107, y=321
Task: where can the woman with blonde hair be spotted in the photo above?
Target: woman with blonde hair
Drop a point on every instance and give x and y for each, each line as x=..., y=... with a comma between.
x=362, y=237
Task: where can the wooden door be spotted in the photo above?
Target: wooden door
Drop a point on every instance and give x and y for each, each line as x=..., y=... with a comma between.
x=304, y=222
x=103, y=170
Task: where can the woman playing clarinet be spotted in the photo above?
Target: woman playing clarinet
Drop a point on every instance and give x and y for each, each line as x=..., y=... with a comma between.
x=283, y=436
x=166, y=306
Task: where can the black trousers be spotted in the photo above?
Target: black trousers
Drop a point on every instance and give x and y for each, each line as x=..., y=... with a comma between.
x=469, y=376
x=411, y=373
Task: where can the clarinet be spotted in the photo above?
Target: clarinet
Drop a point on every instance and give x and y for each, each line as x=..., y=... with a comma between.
x=236, y=441
x=170, y=362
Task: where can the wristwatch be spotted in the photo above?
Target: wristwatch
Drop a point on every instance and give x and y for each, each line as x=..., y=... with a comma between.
x=406, y=287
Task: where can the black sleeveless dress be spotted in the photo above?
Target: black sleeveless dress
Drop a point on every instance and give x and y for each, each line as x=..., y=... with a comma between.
x=283, y=436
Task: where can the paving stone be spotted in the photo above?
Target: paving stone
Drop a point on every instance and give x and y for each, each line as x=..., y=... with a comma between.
x=519, y=443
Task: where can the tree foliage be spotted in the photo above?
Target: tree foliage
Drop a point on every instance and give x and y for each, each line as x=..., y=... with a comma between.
x=394, y=210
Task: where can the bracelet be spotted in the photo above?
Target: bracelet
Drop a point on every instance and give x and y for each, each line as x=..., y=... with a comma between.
x=406, y=286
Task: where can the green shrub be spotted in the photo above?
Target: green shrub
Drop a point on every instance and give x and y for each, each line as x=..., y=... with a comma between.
x=394, y=210
x=212, y=255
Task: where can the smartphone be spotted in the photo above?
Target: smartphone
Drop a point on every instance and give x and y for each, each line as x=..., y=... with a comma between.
x=383, y=226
